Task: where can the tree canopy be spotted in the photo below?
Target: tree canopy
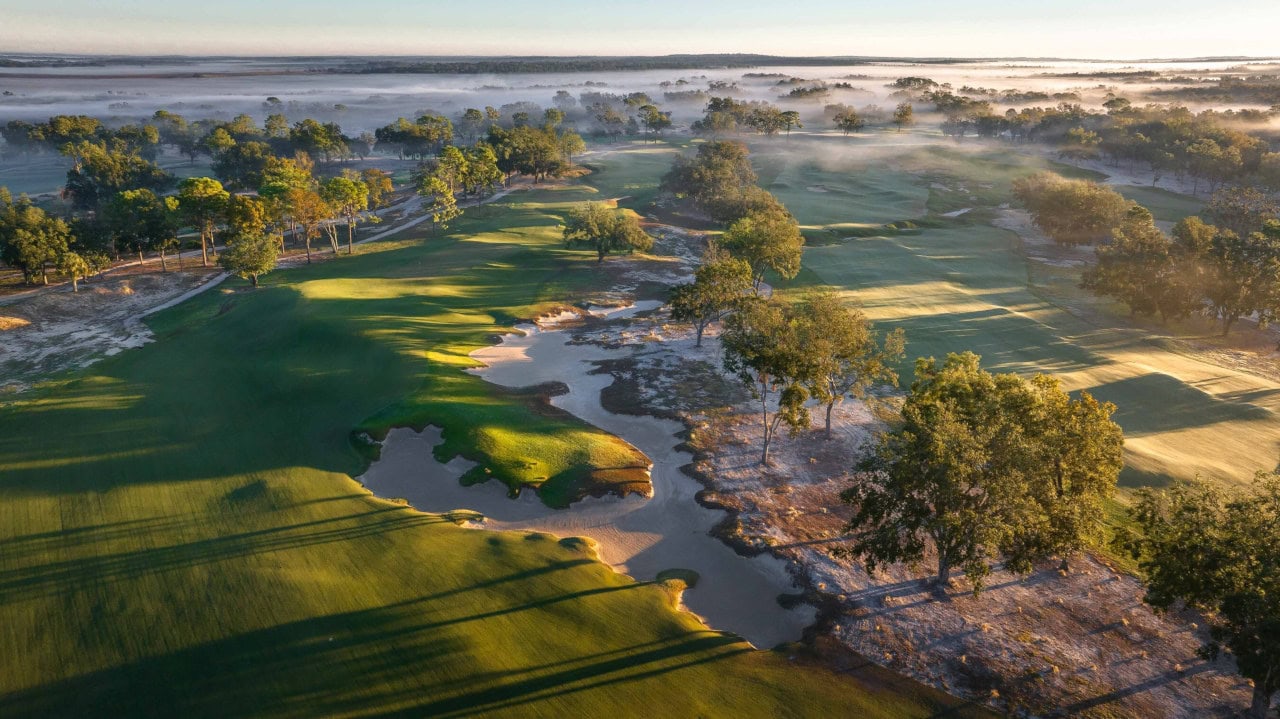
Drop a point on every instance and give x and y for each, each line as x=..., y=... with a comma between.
x=1071, y=212
x=1145, y=269
x=768, y=241
x=985, y=466
x=1221, y=554
x=763, y=347
x=720, y=282
x=250, y=256
x=202, y=200
x=846, y=355
x=605, y=230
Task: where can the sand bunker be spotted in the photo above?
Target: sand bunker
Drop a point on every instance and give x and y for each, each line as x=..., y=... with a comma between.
x=641, y=537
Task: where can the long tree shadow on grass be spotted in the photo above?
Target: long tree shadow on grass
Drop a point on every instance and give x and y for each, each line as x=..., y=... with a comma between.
x=28, y=581
x=352, y=661
x=1180, y=405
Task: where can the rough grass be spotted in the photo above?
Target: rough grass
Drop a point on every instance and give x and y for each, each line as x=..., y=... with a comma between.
x=180, y=535
x=963, y=285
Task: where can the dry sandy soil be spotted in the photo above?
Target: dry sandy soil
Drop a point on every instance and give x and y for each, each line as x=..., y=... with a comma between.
x=53, y=331
x=1053, y=643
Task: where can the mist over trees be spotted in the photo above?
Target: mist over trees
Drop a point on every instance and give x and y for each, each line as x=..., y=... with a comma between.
x=1199, y=268
x=1071, y=212
x=1208, y=147
x=295, y=175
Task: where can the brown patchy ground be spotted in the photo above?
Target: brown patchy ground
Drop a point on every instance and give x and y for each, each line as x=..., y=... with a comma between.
x=58, y=330
x=1075, y=643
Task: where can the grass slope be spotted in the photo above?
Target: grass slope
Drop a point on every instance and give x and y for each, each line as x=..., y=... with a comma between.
x=180, y=535
x=960, y=284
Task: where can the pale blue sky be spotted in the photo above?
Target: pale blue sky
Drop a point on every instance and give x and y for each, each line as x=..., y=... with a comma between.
x=1113, y=29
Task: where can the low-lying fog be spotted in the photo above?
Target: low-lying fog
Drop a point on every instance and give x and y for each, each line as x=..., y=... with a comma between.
x=221, y=88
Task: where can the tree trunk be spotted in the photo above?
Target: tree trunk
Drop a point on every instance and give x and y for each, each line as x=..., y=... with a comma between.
x=204, y=250
x=307, y=241
x=700, y=326
x=830, y=406
x=75, y=283
x=1261, y=705
x=139, y=257
x=163, y=266
x=1227, y=322
x=944, y=568
x=254, y=279
x=768, y=431
x=351, y=238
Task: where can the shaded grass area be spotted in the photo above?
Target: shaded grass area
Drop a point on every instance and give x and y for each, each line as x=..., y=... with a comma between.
x=1164, y=205
x=179, y=533
x=961, y=284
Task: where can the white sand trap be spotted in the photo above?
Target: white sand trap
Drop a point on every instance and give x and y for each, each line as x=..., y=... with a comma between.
x=618, y=313
x=817, y=188
x=957, y=213
x=641, y=537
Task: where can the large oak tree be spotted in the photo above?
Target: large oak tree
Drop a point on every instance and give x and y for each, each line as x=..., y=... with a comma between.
x=984, y=467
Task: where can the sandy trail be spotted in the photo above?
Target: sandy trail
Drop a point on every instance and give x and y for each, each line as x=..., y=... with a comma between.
x=641, y=537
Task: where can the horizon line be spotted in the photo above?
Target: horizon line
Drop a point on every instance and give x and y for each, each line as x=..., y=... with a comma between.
x=626, y=56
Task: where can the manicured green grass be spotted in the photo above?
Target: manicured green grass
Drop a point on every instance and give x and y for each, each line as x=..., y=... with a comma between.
x=180, y=535
x=964, y=285
x=1165, y=205
x=825, y=193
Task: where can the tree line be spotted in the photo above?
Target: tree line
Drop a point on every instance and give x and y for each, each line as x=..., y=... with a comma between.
x=1210, y=147
x=266, y=182
x=787, y=354
x=1225, y=265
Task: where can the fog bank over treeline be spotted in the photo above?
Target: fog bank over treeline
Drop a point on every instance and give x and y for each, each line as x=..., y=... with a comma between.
x=364, y=93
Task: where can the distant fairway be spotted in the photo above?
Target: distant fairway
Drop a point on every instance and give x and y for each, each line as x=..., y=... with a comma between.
x=963, y=285
x=180, y=536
